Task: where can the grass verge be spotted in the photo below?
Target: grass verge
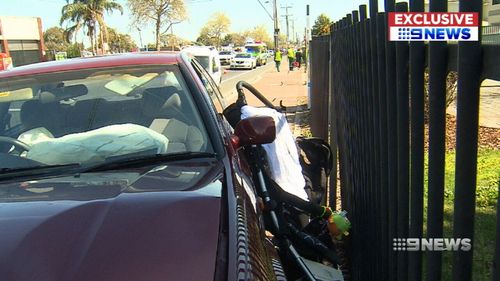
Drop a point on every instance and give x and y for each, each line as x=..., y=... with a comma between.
x=488, y=176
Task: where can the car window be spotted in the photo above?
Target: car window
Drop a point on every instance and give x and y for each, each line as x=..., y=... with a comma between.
x=212, y=89
x=215, y=67
x=243, y=55
x=204, y=61
x=89, y=116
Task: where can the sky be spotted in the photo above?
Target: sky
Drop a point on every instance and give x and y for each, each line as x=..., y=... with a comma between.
x=244, y=15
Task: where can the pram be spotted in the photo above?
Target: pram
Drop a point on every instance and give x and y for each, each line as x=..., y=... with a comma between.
x=302, y=248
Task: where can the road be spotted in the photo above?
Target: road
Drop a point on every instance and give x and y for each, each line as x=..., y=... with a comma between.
x=231, y=77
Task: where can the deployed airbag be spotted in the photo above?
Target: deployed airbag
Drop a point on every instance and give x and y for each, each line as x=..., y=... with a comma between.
x=97, y=145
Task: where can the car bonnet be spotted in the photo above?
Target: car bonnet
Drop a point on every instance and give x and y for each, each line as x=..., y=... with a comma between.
x=133, y=235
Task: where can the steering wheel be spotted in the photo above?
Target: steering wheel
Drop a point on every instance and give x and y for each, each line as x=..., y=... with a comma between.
x=241, y=95
x=19, y=145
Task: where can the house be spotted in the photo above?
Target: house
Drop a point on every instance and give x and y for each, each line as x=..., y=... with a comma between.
x=22, y=39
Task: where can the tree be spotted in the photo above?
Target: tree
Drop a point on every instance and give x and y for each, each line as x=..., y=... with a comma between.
x=321, y=26
x=78, y=14
x=228, y=39
x=74, y=50
x=99, y=7
x=120, y=42
x=203, y=39
x=89, y=13
x=238, y=39
x=55, y=41
x=163, y=13
x=214, y=30
x=173, y=42
x=259, y=33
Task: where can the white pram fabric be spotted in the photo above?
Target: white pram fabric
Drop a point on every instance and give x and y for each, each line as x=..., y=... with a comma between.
x=282, y=154
x=95, y=145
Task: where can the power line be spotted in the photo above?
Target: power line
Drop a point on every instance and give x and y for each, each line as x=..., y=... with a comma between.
x=267, y=12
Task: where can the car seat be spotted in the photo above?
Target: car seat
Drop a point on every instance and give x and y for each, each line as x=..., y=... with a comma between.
x=36, y=113
x=48, y=112
x=163, y=110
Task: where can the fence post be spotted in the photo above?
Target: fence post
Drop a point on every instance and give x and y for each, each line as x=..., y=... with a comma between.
x=319, y=86
x=417, y=67
x=392, y=175
x=437, y=127
x=469, y=81
x=403, y=134
x=382, y=132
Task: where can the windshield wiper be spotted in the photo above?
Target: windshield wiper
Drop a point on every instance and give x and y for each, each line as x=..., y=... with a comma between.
x=36, y=171
x=128, y=162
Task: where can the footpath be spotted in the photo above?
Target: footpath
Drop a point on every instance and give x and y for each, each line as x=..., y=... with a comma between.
x=489, y=105
x=288, y=88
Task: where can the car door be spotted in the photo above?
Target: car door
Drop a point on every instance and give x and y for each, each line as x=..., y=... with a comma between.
x=259, y=258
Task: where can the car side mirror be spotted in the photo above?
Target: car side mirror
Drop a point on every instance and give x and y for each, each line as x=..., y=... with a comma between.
x=253, y=131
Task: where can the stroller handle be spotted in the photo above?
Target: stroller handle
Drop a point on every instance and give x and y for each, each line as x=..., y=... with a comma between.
x=241, y=95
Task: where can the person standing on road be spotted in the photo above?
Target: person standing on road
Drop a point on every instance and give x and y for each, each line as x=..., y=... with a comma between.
x=291, y=57
x=298, y=57
x=277, y=59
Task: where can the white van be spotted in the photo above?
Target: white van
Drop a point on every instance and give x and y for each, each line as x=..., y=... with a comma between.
x=209, y=59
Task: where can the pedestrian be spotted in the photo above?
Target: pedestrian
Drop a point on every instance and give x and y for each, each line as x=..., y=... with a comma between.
x=277, y=59
x=298, y=57
x=291, y=57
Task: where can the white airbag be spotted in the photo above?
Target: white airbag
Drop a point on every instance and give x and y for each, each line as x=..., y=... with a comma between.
x=35, y=135
x=97, y=145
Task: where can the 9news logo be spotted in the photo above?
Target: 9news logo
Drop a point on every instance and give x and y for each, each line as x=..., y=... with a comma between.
x=431, y=244
x=433, y=26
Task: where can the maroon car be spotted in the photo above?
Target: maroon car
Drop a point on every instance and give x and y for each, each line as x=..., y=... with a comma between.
x=122, y=168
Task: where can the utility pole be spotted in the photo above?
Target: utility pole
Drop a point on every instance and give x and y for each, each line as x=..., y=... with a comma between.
x=172, y=35
x=140, y=38
x=306, y=37
x=287, y=15
x=276, y=26
x=308, y=30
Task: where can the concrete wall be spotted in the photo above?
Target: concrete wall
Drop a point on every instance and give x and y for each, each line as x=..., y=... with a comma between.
x=20, y=28
x=22, y=39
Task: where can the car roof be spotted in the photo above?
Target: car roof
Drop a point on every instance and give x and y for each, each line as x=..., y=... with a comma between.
x=146, y=58
x=200, y=50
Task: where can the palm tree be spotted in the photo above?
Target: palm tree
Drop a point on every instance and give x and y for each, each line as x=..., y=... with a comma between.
x=78, y=13
x=99, y=7
x=89, y=13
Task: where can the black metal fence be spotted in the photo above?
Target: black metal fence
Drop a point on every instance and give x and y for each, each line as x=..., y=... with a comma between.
x=377, y=123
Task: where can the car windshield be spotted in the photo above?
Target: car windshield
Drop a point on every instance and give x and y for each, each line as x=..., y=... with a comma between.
x=204, y=61
x=93, y=116
x=243, y=55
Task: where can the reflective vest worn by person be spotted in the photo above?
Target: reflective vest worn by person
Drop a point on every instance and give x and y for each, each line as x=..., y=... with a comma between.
x=291, y=53
x=277, y=55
